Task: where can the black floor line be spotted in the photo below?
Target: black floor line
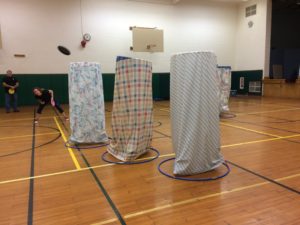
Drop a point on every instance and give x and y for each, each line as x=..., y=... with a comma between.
x=274, y=128
x=102, y=188
x=31, y=185
x=37, y=146
x=157, y=122
x=263, y=177
x=276, y=118
x=159, y=138
x=160, y=105
x=118, y=213
x=64, y=125
x=162, y=133
x=100, y=185
x=284, y=139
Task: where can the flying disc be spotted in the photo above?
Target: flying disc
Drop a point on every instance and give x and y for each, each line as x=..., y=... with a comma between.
x=63, y=50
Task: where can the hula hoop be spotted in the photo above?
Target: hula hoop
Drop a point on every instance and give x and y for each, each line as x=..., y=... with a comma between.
x=103, y=157
x=38, y=146
x=67, y=145
x=191, y=179
x=227, y=115
x=158, y=124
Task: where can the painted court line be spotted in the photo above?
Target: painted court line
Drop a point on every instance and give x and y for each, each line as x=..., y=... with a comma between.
x=265, y=140
x=24, y=136
x=161, y=156
x=275, y=110
x=189, y=201
x=258, y=112
x=103, y=190
x=263, y=104
x=75, y=161
x=24, y=119
x=164, y=109
x=31, y=182
x=255, y=131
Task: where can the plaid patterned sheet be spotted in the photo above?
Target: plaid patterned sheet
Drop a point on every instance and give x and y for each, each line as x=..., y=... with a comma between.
x=132, y=116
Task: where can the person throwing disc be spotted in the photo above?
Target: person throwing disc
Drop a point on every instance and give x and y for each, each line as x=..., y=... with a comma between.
x=45, y=97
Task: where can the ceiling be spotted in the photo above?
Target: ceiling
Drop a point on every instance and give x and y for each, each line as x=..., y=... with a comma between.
x=171, y=2
x=158, y=1
x=286, y=5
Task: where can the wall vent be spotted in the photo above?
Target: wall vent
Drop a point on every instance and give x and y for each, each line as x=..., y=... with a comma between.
x=255, y=86
x=250, y=10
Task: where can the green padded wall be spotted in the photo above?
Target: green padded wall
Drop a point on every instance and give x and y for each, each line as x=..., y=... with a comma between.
x=161, y=86
x=56, y=82
x=59, y=84
x=108, y=86
x=251, y=75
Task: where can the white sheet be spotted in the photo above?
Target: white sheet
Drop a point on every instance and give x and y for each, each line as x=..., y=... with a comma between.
x=194, y=107
x=86, y=101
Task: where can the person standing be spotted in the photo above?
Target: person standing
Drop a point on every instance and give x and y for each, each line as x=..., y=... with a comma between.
x=10, y=84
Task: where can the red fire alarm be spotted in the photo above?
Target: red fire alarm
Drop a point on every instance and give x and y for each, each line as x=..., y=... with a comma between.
x=83, y=43
x=85, y=38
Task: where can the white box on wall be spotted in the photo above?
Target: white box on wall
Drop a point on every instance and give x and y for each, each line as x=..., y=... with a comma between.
x=147, y=39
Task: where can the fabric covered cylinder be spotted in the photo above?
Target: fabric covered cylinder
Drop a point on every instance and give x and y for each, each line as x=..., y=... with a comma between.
x=224, y=81
x=87, y=118
x=132, y=116
x=194, y=108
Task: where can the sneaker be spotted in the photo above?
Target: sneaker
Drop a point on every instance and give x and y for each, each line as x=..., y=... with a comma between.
x=36, y=121
x=7, y=111
x=16, y=110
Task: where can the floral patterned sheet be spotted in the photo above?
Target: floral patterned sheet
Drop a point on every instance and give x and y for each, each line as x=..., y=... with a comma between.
x=224, y=81
x=87, y=114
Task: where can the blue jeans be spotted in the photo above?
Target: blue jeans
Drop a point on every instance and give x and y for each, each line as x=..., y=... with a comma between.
x=8, y=99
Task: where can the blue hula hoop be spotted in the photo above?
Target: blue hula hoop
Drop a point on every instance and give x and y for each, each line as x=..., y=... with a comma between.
x=158, y=124
x=133, y=162
x=191, y=179
x=67, y=145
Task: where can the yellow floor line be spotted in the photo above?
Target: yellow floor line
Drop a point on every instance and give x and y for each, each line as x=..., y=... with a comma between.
x=287, y=177
x=72, y=171
x=249, y=113
x=258, y=141
x=192, y=200
x=107, y=165
x=69, y=149
x=263, y=104
x=255, y=131
x=54, y=174
x=188, y=201
x=24, y=119
x=276, y=110
x=165, y=110
x=23, y=136
x=161, y=156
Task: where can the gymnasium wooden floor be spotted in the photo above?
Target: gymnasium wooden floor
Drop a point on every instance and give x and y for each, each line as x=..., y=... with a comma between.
x=43, y=182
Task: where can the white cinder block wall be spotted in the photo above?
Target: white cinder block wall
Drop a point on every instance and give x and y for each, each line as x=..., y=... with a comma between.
x=36, y=27
x=252, y=47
